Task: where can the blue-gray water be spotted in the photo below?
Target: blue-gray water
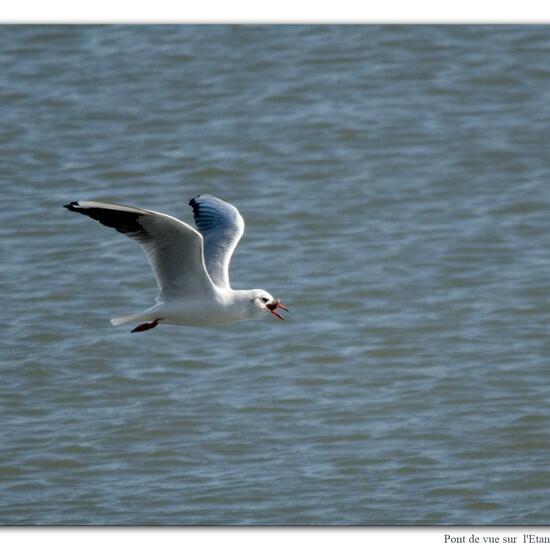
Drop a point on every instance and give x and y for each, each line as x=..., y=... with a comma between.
x=395, y=183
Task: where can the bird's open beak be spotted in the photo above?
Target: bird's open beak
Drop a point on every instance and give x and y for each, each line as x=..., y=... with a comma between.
x=273, y=307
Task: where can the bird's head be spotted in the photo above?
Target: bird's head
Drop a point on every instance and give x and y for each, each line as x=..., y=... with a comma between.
x=263, y=303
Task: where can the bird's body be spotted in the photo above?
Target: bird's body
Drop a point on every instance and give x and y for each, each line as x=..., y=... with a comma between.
x=191, y=267
x=220, y=308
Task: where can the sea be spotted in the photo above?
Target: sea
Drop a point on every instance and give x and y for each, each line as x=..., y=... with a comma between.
x=395, y=185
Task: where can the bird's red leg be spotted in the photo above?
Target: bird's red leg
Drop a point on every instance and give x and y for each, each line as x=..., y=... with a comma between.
x=146, y=326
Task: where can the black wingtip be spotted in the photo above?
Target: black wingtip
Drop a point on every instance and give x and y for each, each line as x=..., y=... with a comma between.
x=71, y=206
x=194, y=205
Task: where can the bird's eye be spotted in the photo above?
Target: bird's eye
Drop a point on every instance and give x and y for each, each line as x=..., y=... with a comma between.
x=264, y=300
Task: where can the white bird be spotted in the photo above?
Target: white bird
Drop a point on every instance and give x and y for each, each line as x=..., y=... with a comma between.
x=191, y=267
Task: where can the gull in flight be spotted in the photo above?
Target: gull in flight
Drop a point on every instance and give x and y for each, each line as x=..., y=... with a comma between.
x=191, y=267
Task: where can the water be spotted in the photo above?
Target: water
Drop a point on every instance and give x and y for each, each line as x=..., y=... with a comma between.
x=395, y=185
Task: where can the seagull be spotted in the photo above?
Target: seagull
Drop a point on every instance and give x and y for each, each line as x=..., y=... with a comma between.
x=191, y=266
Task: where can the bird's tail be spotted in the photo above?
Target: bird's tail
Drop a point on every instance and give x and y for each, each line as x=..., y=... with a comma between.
x=147, y=315
x=122, y=320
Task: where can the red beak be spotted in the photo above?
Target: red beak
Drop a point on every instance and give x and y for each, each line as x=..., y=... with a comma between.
x=274, y=306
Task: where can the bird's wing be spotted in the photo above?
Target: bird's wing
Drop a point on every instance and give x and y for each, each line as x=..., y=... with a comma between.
x=221, y=226
x=173, y=248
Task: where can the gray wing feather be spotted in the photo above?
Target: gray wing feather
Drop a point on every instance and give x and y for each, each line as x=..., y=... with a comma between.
x=221, y=226
x=173, y=248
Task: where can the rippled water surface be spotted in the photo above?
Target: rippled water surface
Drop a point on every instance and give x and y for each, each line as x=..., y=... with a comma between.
x=395, y=183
